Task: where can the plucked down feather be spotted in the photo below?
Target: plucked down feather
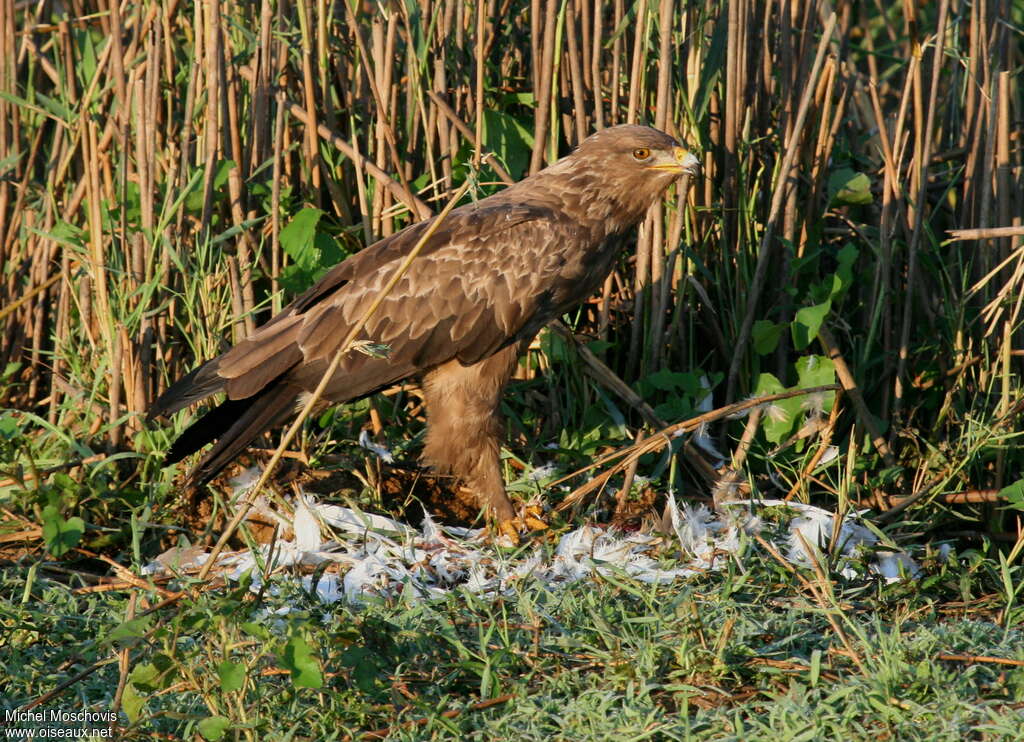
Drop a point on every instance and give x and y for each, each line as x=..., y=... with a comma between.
x=492, y=275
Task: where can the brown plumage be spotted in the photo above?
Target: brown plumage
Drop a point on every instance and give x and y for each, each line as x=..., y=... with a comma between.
x=492, y=275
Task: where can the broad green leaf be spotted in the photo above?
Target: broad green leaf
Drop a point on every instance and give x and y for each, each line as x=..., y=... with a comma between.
x=807, y=322
x=145, y=676
x=779, y=416
x=520, y=99
x=221, y=176
x=8, y=426
x=847, y=256
x=817, y=371
x=1014, y=494
x=232, y=675
x=509, y=139
x=86, y=63
x=213, y=727
x=768, y=384
x=847, y=186
x=364, y=669
x=61, y=535
x=294, y=279
x=329, y=254
x=299, y=660
x=156, y=674
x=673, y=381
x=129, y=632
x=554, y=347
x=132, y=703
x=297, y=238
x=195, y=193
x=766, y=336
x=676, y=408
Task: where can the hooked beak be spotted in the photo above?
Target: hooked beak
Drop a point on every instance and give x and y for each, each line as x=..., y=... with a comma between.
x=682, y=162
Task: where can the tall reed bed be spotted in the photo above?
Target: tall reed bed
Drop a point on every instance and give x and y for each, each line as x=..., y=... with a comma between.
x=161, y=163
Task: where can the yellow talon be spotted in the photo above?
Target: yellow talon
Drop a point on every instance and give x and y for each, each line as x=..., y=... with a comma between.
x=508, y=532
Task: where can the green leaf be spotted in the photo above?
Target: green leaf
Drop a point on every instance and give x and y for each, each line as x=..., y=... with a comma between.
x=781, y=415
x=846, y=257
x=676, y=408
x=297, y=238
x=329, y=254
x=232, y=675
x=768, y=384
x=365, y=671
x=766, y=336
x=807, y=322
x=213, y=727
x=255, y=630
x=221, y=176
x=143, y=676
x=847, y=186
x=61, y=535
x=817, y=371
x=555, y=347
x=520, y=99
x=132, y=703
x=195, y=194
x=674, y=381
x=313, y=253
x=1014, y=494
x=509, y=139
x=86, y=64
x=8, y=426
x=295, y=279
x=129, y=632
x=299, y=660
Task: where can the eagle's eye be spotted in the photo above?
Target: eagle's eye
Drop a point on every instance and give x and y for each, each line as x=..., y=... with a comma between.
x=641, y=153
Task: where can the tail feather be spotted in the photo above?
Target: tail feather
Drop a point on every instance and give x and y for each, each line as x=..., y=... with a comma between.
x=233, y=425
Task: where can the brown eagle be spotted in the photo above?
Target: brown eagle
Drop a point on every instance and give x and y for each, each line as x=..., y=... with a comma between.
x=492, y=275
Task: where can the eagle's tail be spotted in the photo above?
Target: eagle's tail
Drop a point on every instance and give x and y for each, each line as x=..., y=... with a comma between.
x=233, y=425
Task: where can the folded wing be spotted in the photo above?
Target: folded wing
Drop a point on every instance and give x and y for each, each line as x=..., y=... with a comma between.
x=474, y=288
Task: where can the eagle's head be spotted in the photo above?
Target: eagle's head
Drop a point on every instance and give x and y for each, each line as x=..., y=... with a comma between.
x=637, y=150
x=619, y=172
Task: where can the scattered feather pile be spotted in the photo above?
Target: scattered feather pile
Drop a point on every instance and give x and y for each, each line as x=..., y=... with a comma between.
x=355, y=555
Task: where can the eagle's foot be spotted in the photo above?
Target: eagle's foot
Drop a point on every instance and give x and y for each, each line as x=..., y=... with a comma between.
x=531, y=518
x=507, y=533
x=528, y=520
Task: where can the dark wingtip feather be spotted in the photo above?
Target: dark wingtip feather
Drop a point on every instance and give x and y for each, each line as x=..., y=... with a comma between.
x=244, y=420
x=207, y=429
x=194, y=386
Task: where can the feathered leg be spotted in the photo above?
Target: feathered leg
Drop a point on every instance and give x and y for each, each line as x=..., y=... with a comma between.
x=464, y=426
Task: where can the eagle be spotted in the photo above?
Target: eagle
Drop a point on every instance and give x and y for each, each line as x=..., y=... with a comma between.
x=488, y=278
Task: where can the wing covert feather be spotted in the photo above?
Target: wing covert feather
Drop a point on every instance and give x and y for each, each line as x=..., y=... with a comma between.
x=463, y=299
x=477, y=285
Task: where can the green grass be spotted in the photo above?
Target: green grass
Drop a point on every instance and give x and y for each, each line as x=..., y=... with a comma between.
x=744, y=653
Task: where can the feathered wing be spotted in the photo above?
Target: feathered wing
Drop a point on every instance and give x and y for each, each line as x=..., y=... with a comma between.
x=481, y=282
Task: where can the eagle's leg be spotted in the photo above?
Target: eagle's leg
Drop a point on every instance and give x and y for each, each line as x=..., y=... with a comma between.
x=464, y=426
